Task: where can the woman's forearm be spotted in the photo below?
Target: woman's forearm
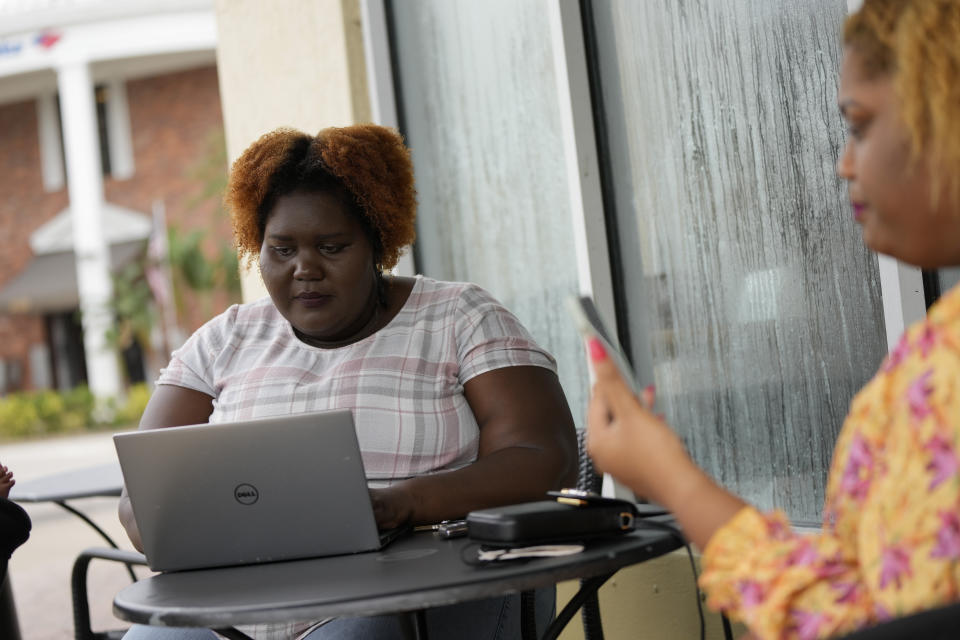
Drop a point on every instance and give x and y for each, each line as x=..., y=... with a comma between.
x=125, y=511
x=510, y=475
x=699, y=504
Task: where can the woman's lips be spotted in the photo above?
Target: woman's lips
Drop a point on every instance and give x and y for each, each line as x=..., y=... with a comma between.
x=313, y=299
x=858, y=209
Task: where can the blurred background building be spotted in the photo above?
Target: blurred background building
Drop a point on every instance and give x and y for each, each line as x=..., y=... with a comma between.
x=110, y=123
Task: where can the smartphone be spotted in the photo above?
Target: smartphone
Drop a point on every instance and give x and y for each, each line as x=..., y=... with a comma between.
x=590, y=325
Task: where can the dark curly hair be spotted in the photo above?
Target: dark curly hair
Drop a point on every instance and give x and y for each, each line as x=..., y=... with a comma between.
x=367, y=163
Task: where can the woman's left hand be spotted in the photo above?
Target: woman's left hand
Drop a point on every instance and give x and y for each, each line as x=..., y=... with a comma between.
x=392, y=506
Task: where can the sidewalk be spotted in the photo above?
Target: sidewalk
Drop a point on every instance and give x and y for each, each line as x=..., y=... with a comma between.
x=40, y=569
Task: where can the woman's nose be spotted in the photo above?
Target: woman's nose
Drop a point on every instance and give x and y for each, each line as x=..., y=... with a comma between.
x=307, y=267
x=845, y=162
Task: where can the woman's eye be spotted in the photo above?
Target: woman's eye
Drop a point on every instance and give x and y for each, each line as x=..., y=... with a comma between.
x=283, y=251
x=856, y=129
x=332, y=248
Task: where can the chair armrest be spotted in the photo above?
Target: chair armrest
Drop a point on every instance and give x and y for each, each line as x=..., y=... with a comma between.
x=940, y=623
x=108, y=553
x=78, y=584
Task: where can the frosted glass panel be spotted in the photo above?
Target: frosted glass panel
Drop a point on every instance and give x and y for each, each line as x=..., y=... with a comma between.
x=479, y=102
x=750, y=295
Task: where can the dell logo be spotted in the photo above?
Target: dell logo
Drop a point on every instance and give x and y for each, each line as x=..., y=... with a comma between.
x=246, y=494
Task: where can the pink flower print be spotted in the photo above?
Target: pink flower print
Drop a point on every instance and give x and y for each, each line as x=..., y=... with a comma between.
x=849, y=592
x=751, y=593
x=804, y=555
x=898, y=354
x=776, y=529
x=881, y=612
x=895, y=565
x=832, y=567
x=927, y=340
x=943, y=461
x=859, y=458
x=807, y=624
x=917, y=393
x=948, y=537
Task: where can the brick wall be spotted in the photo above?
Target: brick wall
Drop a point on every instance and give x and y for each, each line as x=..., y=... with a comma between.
x=24, y=206
x=175, y=121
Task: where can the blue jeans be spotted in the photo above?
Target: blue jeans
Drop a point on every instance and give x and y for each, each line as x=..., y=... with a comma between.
x=491, y=619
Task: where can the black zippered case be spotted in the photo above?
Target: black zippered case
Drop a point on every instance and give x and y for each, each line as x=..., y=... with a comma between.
x=549, y=521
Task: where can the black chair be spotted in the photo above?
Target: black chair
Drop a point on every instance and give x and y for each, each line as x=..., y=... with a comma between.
x=15, y=528
x=78, y=582
x=587, y=480
x=9, y=623
x=942, y=623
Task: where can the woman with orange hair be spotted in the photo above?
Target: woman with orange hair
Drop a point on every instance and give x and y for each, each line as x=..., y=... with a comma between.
x=890, y=543
x=456, y=407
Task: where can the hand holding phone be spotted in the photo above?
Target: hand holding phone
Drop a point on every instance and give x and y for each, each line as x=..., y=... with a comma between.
x=590, y=325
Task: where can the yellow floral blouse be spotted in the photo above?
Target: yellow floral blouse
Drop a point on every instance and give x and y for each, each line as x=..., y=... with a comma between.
x=890, y=543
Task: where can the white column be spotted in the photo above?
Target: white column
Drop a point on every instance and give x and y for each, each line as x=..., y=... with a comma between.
x=85, y=188
x=580, y=151
x=583, y=177
x=383, y=98
x=119, y=136
x=901, y=289
x=51, y=156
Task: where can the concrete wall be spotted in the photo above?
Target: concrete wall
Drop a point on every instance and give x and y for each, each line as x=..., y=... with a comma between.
x=653, y=601
x=288, y=63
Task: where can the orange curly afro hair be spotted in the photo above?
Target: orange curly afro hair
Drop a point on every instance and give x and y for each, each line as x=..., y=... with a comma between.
x=367, y=162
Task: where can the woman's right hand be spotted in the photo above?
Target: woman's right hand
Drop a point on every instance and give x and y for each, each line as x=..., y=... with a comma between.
x=627, y=440
x=6, y=481
x=392, y=506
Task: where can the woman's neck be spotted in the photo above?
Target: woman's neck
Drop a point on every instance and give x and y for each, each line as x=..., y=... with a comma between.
x=396, y=292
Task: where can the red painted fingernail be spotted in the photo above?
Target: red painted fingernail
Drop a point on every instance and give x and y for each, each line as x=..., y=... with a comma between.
x=597, y=352
x=651, y=389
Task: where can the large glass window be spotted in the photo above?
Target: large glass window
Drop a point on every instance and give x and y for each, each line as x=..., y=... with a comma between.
x=749, y=291
x=479, y=108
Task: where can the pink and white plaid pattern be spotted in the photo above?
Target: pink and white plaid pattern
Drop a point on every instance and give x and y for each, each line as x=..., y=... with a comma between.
x=404, y=383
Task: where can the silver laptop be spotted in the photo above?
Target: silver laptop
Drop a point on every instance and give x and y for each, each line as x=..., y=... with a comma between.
x=246, y=492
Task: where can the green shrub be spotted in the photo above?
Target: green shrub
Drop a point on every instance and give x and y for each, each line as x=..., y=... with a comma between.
x=78, y=403
x=19, y=417
x=49, y=406
x=29, y=414
x=131, y=410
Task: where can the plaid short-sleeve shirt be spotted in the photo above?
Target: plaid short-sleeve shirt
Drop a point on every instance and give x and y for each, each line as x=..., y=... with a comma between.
x=404, y=383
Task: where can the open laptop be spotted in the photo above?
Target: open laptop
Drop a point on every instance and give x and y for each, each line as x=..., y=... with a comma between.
x=246, y=492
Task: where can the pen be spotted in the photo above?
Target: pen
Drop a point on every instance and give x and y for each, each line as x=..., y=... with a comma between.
x=446, y=528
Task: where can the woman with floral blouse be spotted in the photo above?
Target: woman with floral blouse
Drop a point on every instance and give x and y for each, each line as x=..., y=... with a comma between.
x=890, y=542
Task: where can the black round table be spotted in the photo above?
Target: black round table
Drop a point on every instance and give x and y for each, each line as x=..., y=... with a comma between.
x=414, y=573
